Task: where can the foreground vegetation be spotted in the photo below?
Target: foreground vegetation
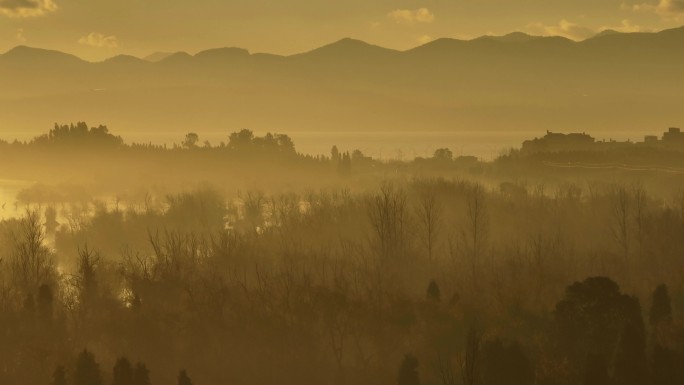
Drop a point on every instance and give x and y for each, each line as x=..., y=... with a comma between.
x=427, y=280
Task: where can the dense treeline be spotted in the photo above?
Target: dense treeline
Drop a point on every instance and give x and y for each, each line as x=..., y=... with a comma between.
x=417, y=281
x=79, y=137
x=75, y=163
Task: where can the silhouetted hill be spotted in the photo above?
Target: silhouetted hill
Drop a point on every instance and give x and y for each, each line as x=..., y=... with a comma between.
x=514, y=37
x=37, y=57
x=606, y=32
x=347, y=49
x=157, y=56
x=223, y=54
x=125, y=60
x=613, y=81
x=177, y=58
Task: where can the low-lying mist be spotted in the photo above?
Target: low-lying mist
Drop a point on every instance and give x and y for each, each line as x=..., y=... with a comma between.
x=246, y=262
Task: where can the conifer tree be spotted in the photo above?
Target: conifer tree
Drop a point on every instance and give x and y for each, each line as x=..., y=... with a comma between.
x=408, y=371
x=123, y=372
x=183, y=378
x=87, y=370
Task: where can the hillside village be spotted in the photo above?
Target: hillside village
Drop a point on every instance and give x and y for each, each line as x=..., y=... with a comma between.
x=672, y=139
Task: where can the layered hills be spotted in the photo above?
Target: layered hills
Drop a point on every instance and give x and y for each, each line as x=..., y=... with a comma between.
x=627, y=82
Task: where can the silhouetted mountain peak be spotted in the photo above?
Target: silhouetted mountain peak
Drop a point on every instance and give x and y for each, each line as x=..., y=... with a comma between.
x=157, y=56
x=124, y=59
x=607, y=32
x=30, y=55
x=350, y=42
x=177, y=58
x=222, y=53
x=439, y=45
x=517, y=37
x=679, y=32
x=348, y=47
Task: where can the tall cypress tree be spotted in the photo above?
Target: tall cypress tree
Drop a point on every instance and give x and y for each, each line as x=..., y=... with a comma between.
x=661, y=308
x=183, y=378
x=141, y=376
x=87, y=370
x=408, y=371
x=59, y=376
x=122, y=373
x=630, y=363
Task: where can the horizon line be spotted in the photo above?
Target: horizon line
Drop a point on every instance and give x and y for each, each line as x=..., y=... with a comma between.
x=598, y=34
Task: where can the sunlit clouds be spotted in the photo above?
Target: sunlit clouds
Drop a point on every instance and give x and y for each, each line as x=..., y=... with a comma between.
x=424, y=39
x=672, y=10
x=20, y=35
x=412, y=17
x=578, y=32
x=98, y=40
x=97, y=30
x=26, y=8
x=564, y=28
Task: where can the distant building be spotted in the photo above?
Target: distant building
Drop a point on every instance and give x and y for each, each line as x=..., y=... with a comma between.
x=672, y=139
x=673, y=135
x=558, y=142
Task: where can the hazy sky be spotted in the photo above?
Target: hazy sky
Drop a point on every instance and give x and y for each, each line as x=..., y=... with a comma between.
x=96, y=29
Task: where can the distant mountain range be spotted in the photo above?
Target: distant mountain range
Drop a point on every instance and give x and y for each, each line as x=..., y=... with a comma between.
x=612, y=82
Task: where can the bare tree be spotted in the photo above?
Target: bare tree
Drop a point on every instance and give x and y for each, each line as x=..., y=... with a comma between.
x=470, y=360
x=429, y=213
x=679, y=206
x=253, y=209
x=640, y=201
x=446, y=370
x=620, y=210
x=32, y=262
x=477, y=223
x=88, y=260
x=389, y=219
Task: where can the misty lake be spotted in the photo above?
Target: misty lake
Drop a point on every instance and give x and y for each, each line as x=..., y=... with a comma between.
x=8, y=193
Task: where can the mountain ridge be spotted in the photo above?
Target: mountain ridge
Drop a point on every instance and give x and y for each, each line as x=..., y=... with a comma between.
x=623, y=81
x=344, y=44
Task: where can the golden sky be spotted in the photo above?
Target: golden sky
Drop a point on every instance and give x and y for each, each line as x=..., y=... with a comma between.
x=97, y=29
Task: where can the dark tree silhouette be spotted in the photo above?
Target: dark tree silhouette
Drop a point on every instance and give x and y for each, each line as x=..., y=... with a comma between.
x=59, y=376
x=594, y=318
x=596, y=370
x=408, y=371
x=661, y=309
x=666, y=368
x=51, y=223
x=590, y=316
x=240, y=139
x=344, y=165
x=472, y=355
x=191, y=140
x=122, y=373
x=183, y=378
x=141, y=376
x=630, y=363
x=443, y=154
x=433, y=292
x=505, y=365
x=334, y=155
x=32, y=262
x=87, y=277
x=79, y=135
x=87, y=370
x=44, y=301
